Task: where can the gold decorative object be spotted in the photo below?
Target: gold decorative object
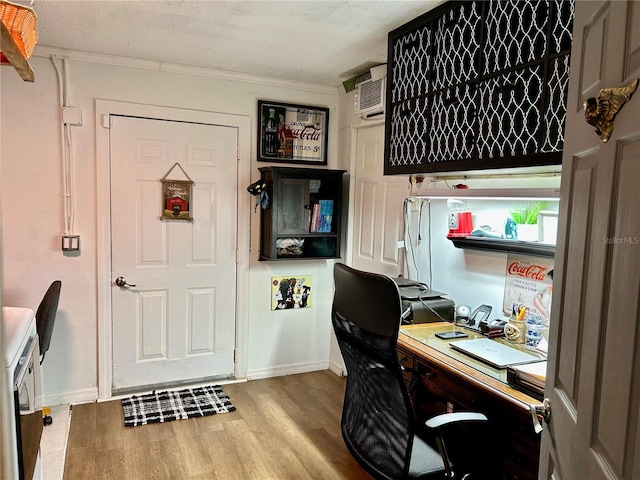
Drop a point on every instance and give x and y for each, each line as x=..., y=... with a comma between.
x=602, y=110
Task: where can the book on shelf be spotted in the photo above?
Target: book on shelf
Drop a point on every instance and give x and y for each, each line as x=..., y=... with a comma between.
x=315, y=218
x=326, y=216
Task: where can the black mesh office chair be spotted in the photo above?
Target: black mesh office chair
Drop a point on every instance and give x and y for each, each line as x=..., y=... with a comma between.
x=378, y=422
x=46, y=316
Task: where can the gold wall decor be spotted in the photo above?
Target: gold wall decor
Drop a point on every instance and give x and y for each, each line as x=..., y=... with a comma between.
x=601, y=111
x=176, y=197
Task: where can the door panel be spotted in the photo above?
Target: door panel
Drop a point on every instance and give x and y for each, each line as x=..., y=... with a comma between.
x=366, y=223
x=620, y=344
x=378, y=213
x=176, y=322
x=593, y=378
x=394, y=193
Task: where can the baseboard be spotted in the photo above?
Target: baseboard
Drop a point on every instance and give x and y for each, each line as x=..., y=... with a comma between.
x=287, y=370
x=91, y=394
x=71, y=398
x=338, y=369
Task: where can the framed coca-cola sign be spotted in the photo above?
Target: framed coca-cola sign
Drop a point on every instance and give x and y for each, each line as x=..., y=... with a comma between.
x=290, y=133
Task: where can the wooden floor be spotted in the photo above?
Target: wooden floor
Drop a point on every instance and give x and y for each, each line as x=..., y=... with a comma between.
x=283, y=428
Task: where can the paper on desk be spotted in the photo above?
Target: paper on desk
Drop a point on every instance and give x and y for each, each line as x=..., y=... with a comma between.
x=543, y=346
x=533, y=371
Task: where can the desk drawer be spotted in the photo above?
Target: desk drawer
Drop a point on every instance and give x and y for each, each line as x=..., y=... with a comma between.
x=511, y=429
x=449, y=387
x=406, y=359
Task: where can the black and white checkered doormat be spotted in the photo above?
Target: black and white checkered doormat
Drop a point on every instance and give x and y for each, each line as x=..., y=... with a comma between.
x=177, y=405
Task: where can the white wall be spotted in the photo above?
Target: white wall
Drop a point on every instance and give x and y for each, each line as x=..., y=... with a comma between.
x=6, y=453
x=32, y=217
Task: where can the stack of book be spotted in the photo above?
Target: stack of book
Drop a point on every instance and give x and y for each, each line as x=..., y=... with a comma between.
x=321, y=217
x=491, y=331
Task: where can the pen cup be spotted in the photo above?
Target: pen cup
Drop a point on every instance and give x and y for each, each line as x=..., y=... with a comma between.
x=515, y=330
x=534, y=320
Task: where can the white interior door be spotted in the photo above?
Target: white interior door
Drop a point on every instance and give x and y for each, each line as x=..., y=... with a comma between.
x=593, y=381
x=378, y=224
x=176, y=322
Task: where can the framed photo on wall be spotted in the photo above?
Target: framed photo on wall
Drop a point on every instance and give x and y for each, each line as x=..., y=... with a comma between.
x=289, y=133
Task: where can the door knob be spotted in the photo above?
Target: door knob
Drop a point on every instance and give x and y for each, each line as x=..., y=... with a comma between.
x=544, y=411
x=122, y=282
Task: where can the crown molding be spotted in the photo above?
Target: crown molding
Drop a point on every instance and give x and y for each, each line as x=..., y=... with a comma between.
x=166, y=67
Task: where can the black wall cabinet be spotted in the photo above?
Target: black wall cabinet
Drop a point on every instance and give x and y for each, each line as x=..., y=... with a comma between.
x=477, y=85
x=303, y=220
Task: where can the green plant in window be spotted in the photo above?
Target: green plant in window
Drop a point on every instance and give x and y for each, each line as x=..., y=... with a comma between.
x=528, y=214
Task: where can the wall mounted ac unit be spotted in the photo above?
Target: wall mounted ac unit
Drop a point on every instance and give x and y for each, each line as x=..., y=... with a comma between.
x=369, y=96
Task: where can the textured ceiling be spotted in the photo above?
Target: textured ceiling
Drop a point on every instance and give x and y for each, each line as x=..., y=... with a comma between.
x=317, y=41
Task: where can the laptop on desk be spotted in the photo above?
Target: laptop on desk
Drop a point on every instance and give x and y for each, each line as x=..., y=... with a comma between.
x=493, y=353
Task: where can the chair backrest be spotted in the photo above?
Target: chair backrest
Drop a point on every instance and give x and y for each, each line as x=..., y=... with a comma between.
x=46, y=316
x=377, y=415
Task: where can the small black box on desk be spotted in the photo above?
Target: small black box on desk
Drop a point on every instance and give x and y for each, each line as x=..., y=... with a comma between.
x=422, y=305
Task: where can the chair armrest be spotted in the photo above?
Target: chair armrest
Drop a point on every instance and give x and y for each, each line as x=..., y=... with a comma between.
x=439, y=422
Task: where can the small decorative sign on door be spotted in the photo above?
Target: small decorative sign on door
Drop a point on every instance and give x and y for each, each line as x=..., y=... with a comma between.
x=176, y=197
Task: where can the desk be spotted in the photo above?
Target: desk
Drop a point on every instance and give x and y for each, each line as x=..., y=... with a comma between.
x=452, y=381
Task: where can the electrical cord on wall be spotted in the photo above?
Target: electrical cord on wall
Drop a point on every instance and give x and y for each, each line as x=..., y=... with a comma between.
x=66, y=143
x=407, y=230
x=410, y=248
x=409, y=244
x=420, y=222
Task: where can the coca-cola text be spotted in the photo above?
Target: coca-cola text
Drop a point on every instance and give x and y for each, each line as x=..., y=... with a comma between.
x=532, y=272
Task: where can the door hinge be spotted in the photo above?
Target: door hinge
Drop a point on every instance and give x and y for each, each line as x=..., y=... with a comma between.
x=238, y=152
x=234, y=355
x=106, y=121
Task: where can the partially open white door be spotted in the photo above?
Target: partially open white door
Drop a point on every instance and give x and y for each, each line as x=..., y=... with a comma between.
x=593, y=382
